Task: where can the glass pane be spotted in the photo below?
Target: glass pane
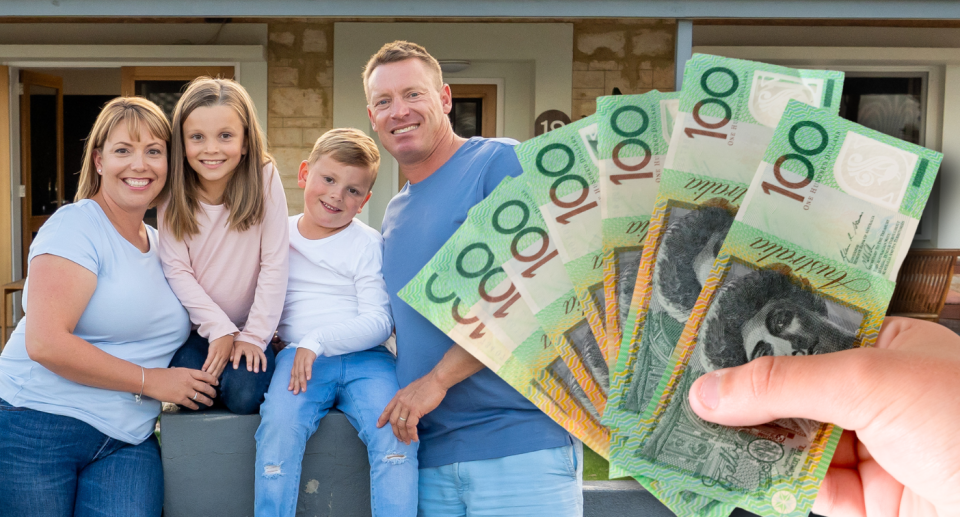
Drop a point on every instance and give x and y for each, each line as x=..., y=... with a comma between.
x=891, y=105
x=43, y=150
x=466, y=117
x=79, y=114
x=163, y=93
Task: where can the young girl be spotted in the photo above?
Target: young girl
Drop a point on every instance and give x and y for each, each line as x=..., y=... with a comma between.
x=224, y=239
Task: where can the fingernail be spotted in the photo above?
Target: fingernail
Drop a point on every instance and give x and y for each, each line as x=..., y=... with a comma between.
x=710, y=390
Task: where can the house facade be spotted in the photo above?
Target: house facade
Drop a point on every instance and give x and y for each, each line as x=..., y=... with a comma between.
x=516, y=69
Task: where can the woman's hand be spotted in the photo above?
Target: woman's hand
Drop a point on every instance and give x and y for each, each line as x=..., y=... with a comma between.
x=218, y=355
x=302, y=370
x=182, y=386
x=255, y=356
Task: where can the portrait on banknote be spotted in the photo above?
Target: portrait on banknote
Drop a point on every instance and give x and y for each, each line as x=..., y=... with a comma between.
x=765, y=312
x=588, y=350
x=690, y=245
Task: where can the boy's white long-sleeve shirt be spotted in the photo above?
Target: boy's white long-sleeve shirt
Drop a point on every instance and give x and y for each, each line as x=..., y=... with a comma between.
x=336, y=301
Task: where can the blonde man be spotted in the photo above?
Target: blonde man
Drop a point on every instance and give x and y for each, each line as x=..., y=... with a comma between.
x=335, y=316
x=484, y=449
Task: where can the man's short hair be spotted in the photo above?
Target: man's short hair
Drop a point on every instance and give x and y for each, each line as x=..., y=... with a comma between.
x=348, y=146
x=682, y=242
x=739, y=300
x=400, y=51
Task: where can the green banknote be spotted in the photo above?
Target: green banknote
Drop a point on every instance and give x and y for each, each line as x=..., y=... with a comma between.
x=498, y=288
x=808, y=267
x=728, y=111
x=634, y=132
x=561, y=175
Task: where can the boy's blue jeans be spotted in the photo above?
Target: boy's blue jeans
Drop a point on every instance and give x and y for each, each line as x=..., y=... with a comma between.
x=57, y=466
x=361, y=385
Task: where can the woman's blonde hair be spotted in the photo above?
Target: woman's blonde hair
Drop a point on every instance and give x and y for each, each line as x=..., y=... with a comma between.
x=244, y=195
x=137, y=112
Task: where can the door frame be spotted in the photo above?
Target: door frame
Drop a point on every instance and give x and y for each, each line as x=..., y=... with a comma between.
x=249, y=62
x=46, y=81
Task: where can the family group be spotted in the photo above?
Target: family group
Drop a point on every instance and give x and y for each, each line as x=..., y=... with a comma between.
x=232, y=303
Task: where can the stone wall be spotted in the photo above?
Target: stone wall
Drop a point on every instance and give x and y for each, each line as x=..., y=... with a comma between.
x=635, y=56
x=300, y=95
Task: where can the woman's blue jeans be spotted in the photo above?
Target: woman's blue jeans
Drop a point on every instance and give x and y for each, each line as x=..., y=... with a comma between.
x=240, y=391
x=58, y=466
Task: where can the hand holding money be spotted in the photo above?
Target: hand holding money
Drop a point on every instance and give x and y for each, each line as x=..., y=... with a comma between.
x=899, y=455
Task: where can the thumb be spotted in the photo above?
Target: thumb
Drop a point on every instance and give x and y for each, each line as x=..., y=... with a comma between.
x=839, y=388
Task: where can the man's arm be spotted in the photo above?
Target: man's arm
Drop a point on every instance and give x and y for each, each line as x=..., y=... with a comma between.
x=423, y=395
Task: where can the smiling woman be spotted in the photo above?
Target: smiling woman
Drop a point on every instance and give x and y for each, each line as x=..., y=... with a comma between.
x=83, y=373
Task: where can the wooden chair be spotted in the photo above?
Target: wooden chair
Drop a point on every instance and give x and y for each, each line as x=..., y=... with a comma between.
x=923, y=284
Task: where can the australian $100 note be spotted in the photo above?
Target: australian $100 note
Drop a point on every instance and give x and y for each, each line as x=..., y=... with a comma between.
x=808, y=267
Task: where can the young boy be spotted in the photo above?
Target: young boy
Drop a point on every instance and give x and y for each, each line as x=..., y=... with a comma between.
x=335, y=316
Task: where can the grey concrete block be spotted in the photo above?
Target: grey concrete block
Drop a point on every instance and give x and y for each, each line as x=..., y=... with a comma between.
x=208, y=469
x=208, y=466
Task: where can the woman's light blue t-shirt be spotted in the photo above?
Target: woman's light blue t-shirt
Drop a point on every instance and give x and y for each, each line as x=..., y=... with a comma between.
x=133, y=315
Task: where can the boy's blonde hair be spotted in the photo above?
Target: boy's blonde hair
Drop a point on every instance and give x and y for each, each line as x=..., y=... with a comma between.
x=350, y=147
x=245, y=194
x=400, y=51
x=137, y=113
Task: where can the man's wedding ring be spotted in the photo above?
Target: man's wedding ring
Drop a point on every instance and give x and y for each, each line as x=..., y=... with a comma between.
x=195, y=393
x=403, y=419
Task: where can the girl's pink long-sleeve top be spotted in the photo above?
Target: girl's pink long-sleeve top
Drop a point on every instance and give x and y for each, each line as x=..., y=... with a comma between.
x=232, y=282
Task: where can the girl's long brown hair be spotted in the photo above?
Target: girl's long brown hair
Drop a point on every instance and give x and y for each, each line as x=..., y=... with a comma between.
x=244, y=195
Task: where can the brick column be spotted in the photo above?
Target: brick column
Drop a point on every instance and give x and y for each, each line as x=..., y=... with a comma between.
x=300, y=96
x=635, y=56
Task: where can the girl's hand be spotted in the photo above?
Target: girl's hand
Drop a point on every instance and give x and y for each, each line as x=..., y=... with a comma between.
x=255, y=356
x=218, y=355
x=182, y=386
x=302, y=370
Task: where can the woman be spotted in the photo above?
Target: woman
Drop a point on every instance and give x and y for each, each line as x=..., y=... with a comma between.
x=83, y=373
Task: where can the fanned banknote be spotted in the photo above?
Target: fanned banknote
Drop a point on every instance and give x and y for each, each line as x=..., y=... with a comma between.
x=498, y=288
x=808, y=267
x=634, y=132
x=728, y=111
x=561, y=175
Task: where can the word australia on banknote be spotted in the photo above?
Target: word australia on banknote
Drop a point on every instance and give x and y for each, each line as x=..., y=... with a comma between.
x=499, y=289
x=561, y=175
x=808, y=267
x=728, y=111
x=634, y=132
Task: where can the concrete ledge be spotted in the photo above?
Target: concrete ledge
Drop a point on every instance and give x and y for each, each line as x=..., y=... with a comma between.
x=208, y=466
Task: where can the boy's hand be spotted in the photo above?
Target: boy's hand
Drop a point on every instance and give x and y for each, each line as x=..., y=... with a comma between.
x=218, y=355
x=255, y=356
x=302, y=370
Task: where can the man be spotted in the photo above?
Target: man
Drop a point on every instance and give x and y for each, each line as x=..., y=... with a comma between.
x=483, y=447
x=764, y=313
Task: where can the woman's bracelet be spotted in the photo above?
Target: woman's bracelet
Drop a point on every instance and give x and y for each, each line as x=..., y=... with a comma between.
x=143, y=377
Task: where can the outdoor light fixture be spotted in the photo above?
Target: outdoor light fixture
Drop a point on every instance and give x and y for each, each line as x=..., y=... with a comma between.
x=452, y=66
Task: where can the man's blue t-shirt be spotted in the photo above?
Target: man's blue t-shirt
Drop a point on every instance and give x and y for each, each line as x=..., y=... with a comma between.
x=481, y=417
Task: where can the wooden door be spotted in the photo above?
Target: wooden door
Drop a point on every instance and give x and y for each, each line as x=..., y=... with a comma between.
x=474, y=108
x=41, y=152
x=164, y=84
